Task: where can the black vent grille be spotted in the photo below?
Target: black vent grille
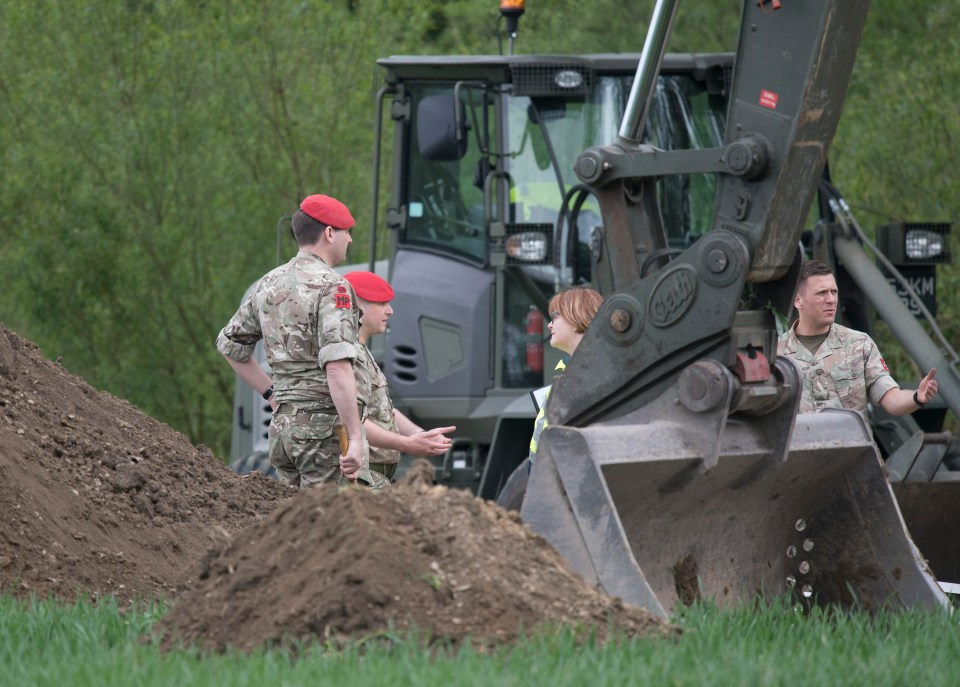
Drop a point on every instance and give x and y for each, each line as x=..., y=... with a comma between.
x=727, y=78
x=404, y=364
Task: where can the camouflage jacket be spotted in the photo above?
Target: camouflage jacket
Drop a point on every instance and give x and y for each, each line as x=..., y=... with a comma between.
x=307, y=316
x=379, y=408
x=846, y=368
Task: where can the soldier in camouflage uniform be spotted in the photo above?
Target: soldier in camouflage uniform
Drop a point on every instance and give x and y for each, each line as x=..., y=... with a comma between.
x=307, y=316
x=388, y=430
x=841, y=367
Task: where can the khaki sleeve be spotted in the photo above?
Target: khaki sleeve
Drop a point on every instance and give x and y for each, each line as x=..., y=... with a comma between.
x=876, y=374
x=339, y=319
x=362, y=373
x=238, y=339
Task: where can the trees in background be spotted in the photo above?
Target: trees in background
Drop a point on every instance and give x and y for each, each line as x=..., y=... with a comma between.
x=148, y=149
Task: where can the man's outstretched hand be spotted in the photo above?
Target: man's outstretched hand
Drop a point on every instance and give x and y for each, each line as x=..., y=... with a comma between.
x=429, y=442
x=928, y=387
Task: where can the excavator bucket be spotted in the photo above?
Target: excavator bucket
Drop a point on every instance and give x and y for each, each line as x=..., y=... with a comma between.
x=929, y=509
x=634, y=509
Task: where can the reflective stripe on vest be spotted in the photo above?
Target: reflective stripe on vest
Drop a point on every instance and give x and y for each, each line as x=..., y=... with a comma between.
x=540, y=423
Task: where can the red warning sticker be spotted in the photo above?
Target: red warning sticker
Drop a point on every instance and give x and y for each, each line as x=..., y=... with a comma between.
x=768, y=99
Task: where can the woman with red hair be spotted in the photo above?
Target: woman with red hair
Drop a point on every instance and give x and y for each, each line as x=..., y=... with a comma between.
x=571, y=312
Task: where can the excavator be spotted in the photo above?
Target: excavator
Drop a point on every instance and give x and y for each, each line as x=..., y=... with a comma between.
x=675, y=464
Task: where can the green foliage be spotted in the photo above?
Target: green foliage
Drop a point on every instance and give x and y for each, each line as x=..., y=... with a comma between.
x=894, y=157
x=148, y=149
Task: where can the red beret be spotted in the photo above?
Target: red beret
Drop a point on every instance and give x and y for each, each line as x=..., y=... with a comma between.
x=328, y=210
x=370, y=287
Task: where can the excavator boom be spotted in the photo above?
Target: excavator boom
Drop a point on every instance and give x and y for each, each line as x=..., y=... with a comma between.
x=675, y=464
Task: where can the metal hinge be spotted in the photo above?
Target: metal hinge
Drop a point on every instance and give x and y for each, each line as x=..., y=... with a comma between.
x=400, y=110
x=397, y=217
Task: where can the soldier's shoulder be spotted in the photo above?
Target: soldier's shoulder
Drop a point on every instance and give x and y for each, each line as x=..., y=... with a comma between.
x=855, y=343
x=328, y=272
x=847, y=331
x=787, y=342
x=267, y=279
x=316, y=273
x=852, y=336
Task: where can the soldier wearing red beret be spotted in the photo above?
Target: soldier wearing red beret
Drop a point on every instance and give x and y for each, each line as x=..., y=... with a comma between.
x=388, y=430
x=308, y=318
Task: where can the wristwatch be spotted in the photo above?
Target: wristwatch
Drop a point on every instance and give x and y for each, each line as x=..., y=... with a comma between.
x=916, y=400
x=269, y=392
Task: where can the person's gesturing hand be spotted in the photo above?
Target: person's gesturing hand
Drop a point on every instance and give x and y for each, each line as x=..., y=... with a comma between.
x=928, y=387
x=429, y=442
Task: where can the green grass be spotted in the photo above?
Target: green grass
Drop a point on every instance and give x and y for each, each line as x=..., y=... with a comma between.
x=48, y=643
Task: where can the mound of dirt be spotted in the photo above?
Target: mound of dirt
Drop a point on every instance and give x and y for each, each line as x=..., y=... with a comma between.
x=99, y=499
x=342, y=564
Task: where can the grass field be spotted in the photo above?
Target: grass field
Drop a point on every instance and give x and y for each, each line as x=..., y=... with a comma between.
x=47, y=643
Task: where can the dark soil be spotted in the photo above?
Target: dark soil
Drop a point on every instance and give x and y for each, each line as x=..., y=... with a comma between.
x=97, y=497
x=100, y=499
x=339, y=564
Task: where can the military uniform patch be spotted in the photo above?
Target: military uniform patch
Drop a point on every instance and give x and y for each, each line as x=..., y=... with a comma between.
x=342, y=300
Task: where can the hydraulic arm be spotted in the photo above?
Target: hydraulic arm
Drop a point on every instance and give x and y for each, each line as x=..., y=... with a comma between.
x=675, y=464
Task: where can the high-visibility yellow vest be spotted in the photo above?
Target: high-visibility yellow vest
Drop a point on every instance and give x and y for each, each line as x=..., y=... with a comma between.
x=541, y=422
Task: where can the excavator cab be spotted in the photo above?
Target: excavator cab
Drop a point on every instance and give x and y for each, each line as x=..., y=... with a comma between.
x=487, y=220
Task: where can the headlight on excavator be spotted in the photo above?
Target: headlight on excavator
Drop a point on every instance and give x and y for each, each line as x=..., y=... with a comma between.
x=915, y=243
x=568, y=78
x=915, y=249
x=527, y=246
x=923, y=244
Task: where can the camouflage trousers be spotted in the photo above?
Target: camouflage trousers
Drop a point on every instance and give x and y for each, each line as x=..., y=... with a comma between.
x=305, y=451
x=388, y=470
